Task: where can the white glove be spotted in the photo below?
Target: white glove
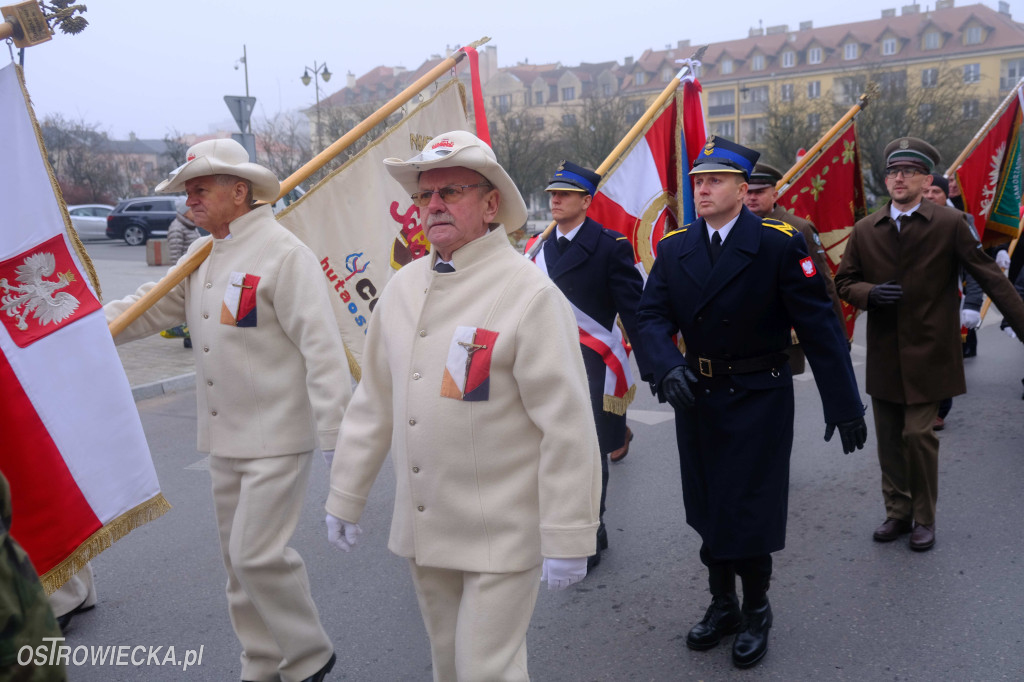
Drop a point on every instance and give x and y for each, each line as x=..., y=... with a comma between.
x=970, y=318
x=1009, y=332
x=560, y=573
x=342, y=534
x=1003, y=260
x=328, y=457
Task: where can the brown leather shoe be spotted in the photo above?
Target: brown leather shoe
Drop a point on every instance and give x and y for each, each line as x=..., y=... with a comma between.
x=923, y=537
x=891, y=530
x=620, y=454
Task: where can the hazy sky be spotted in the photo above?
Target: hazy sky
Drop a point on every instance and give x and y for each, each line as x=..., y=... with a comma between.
x=156, y=67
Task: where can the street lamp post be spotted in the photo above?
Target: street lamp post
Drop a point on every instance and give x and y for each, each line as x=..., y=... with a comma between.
x=322, y=71
x=244, y=62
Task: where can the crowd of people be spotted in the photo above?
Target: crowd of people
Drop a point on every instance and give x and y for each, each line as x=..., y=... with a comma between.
x=500, y=385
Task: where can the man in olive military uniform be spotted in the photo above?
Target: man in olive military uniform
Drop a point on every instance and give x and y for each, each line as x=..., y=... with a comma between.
x=902, y=264
x=735, y=285
x=594, y=268
x=25, y=614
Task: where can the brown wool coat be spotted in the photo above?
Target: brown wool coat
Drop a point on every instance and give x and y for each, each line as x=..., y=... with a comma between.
x=914, y=350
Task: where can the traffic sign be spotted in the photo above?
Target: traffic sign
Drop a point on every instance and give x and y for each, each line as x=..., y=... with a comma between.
x=241, y=108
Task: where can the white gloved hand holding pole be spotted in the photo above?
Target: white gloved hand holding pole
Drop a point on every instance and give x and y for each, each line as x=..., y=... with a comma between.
x=342, y=534
x=561, y=573
x=1009, y=332
x=1003, y=260
x=970, y=318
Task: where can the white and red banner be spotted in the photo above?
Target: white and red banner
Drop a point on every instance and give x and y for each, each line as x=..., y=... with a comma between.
x=647, y=193
x=72, y=446
x=362, y=225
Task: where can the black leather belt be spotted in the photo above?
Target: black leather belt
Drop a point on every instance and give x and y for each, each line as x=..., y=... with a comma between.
x=711, y=366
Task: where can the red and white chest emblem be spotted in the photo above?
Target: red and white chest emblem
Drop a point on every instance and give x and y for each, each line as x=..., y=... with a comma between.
x=807, y=265
x=41, y=290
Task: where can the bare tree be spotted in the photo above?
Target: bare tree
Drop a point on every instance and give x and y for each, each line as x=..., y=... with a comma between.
x=282, y=142
x=84, y=172
x=590, y=132
x=524, y=148
x=793, y=124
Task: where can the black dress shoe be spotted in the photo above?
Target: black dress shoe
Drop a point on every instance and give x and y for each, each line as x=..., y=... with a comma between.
x=593, y=560
x=320, y=674
x=752, y=643
x=722, y=618
x=922, y=538
x=891, y=530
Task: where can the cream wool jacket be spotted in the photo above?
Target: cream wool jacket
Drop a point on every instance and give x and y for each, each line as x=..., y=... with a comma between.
x=279, y=387
x=490, y=485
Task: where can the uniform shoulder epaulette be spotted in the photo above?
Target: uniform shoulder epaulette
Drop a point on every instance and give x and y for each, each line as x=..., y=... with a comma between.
x=677, y=231
x=784, y=228
x=616, y=236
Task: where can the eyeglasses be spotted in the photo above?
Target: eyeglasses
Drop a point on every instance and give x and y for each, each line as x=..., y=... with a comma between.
x=905, y=171
x=452, y=194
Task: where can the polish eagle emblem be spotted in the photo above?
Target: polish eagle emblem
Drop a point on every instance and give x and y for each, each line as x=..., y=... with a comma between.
x=36, y=294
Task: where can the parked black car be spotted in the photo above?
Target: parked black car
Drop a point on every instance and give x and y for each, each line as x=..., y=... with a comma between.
x=136, y=220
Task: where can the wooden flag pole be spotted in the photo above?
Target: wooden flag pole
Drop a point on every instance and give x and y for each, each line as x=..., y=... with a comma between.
x=984, y=129
x=633, y=133
x=1009, y=251
x=825, y=139
x=186, y=267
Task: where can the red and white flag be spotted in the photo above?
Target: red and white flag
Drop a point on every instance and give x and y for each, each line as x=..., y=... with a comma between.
x=646, y=193
x=72, y=446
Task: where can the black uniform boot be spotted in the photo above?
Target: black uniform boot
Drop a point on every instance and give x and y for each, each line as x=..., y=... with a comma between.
x=751, y=643
x=723, y=616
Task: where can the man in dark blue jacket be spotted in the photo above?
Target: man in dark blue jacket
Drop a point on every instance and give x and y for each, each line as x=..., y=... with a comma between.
x=734, y=285
x=594, y=268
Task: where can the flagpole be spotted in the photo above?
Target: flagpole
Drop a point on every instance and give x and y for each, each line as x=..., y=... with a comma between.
x=984, y=129
x=630, y=137
x=186, y=267
x=826, y=138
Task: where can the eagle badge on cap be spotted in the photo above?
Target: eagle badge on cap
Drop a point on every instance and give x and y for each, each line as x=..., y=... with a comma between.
x=904, y=143
x=709, y=148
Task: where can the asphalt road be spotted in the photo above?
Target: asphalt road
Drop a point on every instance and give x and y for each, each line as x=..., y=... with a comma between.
x=846, y=608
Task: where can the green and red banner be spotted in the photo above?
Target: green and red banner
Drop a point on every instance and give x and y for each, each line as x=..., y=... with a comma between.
x=829, y=192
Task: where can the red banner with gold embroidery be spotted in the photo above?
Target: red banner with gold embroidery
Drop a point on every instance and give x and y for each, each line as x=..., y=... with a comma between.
x=829, y=192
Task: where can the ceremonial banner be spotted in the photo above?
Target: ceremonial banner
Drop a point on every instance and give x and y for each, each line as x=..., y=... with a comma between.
x=362, y=225
x=990, y=178
x=647, y=190
x=829, y=192
x=72, y=445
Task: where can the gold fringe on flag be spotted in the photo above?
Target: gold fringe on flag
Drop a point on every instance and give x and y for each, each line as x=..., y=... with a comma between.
x=617, y=405
x=141, y=514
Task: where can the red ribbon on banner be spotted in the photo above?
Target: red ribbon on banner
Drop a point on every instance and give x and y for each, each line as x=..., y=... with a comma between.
x=479, y=113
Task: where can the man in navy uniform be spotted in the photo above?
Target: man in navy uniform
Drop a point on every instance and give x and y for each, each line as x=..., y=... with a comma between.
x=594, y=268
x=734, y=285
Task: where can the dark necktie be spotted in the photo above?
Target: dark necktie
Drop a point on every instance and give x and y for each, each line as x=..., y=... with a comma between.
x=443, y=267
x=716, y=247
x=563, y=244
x=899, y=220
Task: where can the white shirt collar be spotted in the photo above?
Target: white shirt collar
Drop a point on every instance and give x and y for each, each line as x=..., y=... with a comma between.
x=724, y=230
x=895, y=213
x=571, y=233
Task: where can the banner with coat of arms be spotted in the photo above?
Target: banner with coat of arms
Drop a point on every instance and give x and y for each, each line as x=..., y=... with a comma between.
x=71, y=442
x=361, y=224
x=990, y=177
x=829, y=192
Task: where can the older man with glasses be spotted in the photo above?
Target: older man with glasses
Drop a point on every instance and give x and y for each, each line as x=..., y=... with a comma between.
x=473, y=380
x=902, y=265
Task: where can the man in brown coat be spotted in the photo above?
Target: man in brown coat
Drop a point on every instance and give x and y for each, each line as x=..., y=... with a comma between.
x=902, y=265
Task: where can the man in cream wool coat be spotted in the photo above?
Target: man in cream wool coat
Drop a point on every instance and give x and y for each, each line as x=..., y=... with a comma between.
x=270, y=388
x=473, y=379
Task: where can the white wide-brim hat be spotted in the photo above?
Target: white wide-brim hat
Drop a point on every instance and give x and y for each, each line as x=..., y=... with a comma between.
x=460, y=148
x=217, y=157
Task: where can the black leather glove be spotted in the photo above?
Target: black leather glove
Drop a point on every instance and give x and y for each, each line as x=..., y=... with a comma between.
x=852, y=433
x=884, y=294
x=676, y=386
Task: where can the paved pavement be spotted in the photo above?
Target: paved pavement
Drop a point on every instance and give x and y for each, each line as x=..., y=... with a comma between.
x=155, y=365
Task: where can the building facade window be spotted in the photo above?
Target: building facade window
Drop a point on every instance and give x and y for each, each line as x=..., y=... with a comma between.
x=606, y=89
x=929, y=78
x=814, y=55
x=932, y=40
x=925, y=111
x=754, y=130
x=889, y=46
x=757, y=64
x=974, y=35
x=538, y=97
x=786, y=92
x=971, y=108
x=813, y=89
x=814, y=121
x=1012, y=71
x=666, y=75
x=726, y=66
x=637, y=108
x=538, y=123
x=568, y=119
x=788, y=59
x=848, y=89
x=725, y=129
x=851, y=51
x=641, y=77
x=552, y=93
x=502, y=102
x=722, y=103
x=972, y=73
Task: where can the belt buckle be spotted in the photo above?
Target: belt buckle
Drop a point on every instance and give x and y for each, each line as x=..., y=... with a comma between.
x=705, y=366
